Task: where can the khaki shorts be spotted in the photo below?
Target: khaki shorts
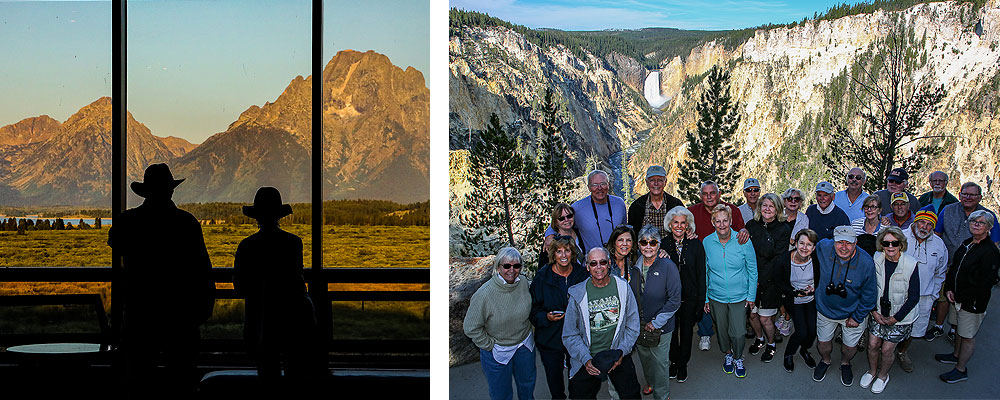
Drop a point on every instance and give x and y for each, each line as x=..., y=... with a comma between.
x=764, y=312
x=966, y=323
x=826, y=328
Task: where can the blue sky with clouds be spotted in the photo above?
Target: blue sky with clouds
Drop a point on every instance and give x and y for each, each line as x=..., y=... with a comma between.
x=634, y=14
x=193, y=66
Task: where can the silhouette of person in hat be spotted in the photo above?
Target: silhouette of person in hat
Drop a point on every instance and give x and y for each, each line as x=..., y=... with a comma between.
x=168, y=291
x=279, y=320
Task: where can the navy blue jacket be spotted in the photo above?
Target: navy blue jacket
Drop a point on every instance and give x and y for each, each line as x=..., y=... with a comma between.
x=546, y=295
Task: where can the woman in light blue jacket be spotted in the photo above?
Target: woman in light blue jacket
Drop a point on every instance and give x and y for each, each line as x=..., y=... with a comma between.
x=732, y=287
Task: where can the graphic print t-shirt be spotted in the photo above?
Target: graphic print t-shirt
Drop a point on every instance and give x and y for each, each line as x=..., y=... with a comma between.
x=603, y=306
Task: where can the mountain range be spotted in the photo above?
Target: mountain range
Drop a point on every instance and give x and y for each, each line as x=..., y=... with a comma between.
x=375, y=140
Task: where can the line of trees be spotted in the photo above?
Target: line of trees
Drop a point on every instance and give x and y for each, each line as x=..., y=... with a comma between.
x=22, y=225
x=336, y=212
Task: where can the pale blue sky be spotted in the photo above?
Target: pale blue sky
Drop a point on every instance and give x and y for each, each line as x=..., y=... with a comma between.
x=193, y=66
x=634, y=14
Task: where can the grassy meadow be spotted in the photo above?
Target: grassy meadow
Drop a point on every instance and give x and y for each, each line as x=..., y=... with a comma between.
x=343, y=246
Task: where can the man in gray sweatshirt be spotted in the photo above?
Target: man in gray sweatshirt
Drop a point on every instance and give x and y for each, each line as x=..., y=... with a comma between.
x=602, y=317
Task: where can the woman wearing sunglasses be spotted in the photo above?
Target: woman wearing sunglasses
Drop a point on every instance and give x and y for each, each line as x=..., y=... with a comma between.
x=497, y=322
x=797, y=220
x=549, y=297
x=892, y=319
x=563, y=218
x=657, y=287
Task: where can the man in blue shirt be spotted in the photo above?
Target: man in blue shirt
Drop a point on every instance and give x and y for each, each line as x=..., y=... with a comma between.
x=845, y=293
x=598, y=214
x=851, y=199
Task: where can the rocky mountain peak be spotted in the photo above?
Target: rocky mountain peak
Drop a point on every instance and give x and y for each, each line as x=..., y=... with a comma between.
x=29, y=130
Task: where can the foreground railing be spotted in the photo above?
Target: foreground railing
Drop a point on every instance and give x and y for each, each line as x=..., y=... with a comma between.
x=359, y=352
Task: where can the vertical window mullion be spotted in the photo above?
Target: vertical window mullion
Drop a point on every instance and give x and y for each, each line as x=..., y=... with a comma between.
x=118, y=144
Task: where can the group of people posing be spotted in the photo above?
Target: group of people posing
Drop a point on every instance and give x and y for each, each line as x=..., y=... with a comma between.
x=885, y=267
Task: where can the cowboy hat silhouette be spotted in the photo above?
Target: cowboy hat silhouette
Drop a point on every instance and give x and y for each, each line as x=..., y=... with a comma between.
x=156, y=179
x=267, y=205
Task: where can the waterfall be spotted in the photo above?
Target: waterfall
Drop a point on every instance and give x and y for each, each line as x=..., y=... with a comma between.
x=651, y=90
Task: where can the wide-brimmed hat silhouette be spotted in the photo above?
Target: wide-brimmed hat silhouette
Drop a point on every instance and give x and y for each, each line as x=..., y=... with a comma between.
x=156, y=179
x=267, y=205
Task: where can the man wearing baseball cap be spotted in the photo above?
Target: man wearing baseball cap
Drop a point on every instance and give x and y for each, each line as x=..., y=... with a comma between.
x=845, y=293
x=824, y=215
x=650, y=208
x=896, y=182
x=751, y=192
x=900, y=214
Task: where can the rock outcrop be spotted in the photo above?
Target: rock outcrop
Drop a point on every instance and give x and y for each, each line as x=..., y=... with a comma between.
x=464, y=278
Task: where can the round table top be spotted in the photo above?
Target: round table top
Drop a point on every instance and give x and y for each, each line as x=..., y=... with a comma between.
x=56, y=348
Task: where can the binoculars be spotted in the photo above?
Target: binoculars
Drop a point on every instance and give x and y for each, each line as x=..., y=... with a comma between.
x=836, y=290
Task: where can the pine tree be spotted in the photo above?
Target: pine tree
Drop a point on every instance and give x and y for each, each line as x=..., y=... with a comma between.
x=894, y=108
x=712, y=153
x=553, y=168
x=97, y=223
x=59, y=225
x=501, y=205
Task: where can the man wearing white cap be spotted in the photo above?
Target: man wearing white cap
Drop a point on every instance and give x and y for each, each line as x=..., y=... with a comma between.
x=845, y=294
x=751, y=192
x=824, y=215
x=650, y=208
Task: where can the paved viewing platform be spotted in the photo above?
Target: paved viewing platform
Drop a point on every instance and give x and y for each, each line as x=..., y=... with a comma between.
x=706, y=379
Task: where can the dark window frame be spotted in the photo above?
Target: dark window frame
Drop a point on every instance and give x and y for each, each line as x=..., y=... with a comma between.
x=405, y=353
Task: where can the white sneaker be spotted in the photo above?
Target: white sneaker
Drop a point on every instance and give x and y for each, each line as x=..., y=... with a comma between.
x=879, y=385
x=706, y=343
x=866, y=380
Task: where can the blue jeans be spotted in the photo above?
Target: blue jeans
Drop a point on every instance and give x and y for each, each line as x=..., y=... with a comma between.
x=498, y=376
x=705, y=326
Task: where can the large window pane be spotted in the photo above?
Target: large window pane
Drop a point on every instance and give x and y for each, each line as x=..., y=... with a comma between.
x=224, y=87
x=55, y=154
x=375, y=156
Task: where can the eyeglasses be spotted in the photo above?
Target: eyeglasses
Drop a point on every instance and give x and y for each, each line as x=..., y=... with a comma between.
x=565, y=217
x=509, y=266
x=871, y=208
x=599, y=185
x=594, y=263
x=563, y=237
x=977, y=222
x=964, y=194
x=644, y=242
x=890, y=243
x=752, y=190
x=855, y=177
x=894, y=181
x=795, y=199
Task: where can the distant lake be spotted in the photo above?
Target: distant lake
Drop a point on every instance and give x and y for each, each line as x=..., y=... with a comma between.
x=75, y=221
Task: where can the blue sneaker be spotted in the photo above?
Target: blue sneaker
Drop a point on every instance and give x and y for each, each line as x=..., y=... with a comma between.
x=741, y=372
x=955, y=376
x=947, y=358
x=728, y=365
